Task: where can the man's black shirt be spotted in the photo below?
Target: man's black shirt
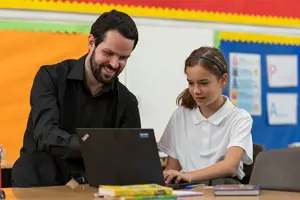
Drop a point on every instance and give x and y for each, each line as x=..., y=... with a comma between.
x=61, y=102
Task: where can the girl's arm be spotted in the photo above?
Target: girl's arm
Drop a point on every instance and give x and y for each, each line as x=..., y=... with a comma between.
x=224, y=168
x=172, y=163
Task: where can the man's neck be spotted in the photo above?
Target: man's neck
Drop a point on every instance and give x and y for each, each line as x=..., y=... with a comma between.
x=208, y=111
x=94, y=86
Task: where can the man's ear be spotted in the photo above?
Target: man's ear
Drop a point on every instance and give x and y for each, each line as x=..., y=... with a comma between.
x=91, y=42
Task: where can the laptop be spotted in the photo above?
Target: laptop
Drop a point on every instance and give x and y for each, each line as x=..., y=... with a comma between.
x=120, y=156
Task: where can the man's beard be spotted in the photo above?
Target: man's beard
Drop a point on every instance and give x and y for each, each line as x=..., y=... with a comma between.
x=96, y=71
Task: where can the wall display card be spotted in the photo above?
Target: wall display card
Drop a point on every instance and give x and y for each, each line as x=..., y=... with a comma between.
x=282, y=70
x=245, y=81
x=282, y=108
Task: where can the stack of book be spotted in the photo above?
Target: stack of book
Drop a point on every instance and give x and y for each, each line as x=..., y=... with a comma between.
x=236, y=190
x=143, y=191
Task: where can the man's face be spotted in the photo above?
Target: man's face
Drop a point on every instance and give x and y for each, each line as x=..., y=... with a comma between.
x=109, y=58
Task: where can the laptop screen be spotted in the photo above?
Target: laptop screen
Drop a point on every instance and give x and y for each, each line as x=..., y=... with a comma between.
x=116, y=156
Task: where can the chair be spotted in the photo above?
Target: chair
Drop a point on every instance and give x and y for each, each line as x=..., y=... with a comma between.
x=277, y=170
x=257, y=148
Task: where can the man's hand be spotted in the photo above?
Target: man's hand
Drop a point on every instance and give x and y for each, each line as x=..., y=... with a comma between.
x=171, y=174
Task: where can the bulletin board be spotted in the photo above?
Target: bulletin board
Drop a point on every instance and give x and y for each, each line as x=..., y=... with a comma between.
x=264, y=131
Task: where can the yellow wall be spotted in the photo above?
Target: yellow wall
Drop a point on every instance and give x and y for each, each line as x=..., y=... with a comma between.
x=21, y=55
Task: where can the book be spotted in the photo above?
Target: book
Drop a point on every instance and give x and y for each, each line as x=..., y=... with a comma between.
x=236, y=190
x=175, y=196
x=164, y=197
x=134, y=190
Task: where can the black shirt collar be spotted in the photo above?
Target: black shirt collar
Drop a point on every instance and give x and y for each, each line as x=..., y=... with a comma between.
x=78, y=73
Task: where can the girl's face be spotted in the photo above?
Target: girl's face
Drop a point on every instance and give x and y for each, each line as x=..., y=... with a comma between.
x=204, y=86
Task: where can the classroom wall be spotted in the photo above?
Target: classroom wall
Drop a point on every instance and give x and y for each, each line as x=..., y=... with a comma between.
x=154, y=72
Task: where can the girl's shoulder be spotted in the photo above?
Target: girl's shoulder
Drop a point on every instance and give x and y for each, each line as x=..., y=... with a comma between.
x=181, y=112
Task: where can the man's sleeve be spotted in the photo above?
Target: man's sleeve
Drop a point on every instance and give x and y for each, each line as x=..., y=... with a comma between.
x=47, y=132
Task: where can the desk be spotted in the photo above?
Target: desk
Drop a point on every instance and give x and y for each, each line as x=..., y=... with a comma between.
x=86, y=192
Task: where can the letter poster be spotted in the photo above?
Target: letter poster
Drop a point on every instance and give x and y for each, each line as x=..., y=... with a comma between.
x=245, y=81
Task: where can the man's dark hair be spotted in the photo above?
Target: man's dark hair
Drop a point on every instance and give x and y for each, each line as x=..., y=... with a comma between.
x=114, y=20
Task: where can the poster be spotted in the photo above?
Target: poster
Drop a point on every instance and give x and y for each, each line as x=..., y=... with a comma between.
x=245, y=81
x=282, y=70
x=282, y=108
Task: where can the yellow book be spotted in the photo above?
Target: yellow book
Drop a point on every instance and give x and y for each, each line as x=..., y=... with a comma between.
x=134, y=190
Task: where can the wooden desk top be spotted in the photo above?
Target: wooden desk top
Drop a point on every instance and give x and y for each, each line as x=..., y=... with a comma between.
x=86, y=192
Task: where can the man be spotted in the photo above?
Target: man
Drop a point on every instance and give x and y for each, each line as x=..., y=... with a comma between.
x=72, y=94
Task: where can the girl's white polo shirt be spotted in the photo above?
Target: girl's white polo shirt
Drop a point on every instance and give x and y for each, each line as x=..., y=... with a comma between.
x=197, y=142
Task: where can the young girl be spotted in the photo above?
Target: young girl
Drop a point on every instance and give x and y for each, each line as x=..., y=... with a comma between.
x=207, y=137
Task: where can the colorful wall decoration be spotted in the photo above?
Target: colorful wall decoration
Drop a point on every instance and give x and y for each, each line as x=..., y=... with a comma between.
x=254, y=59
x=258, y=12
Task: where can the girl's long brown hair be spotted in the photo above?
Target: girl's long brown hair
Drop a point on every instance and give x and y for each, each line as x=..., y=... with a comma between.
x=212, y=60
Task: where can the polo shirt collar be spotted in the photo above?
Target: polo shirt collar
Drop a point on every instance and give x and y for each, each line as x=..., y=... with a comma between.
x=217, y=117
